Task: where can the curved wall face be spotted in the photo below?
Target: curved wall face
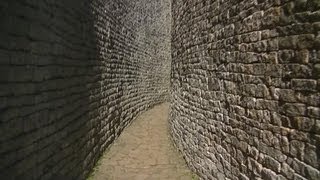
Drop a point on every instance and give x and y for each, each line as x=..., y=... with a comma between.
x=245, y=88
x=73, y=74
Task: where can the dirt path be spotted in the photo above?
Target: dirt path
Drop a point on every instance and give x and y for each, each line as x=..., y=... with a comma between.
x=143, y=151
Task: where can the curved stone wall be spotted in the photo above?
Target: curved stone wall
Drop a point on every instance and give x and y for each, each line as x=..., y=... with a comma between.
x=73, y=74
x=245, y=88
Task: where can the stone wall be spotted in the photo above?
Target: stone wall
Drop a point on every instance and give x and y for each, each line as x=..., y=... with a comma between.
x=245, y=87
x=73, y=74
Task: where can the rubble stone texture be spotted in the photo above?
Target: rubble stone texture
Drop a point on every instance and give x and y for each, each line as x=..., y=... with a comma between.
x=245, y=88
x=73, y=74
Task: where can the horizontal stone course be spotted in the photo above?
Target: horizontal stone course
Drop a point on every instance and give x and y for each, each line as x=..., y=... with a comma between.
x=245, y=88
x=73, y=75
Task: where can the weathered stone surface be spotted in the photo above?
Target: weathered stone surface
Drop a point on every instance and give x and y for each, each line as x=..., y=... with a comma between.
x=260, y=61
x=73, y=74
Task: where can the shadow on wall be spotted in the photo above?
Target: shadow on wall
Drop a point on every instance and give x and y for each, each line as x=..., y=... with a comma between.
x=69, y=84
x=49, y=90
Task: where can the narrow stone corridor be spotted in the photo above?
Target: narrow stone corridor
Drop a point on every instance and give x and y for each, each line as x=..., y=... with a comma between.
x=79, y=81
x=143, y=151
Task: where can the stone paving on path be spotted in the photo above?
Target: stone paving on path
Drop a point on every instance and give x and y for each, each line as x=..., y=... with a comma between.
x=144, y=151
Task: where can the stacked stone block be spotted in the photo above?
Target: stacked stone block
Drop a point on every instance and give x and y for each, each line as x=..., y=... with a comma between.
x=73, y=75
x=246, y=88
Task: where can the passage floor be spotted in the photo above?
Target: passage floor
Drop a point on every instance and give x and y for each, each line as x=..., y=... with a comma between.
x=144, y=151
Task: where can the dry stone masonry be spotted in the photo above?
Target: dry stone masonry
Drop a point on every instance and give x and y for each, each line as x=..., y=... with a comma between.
x=245, y=83
x=73, y=74
x=245, y=88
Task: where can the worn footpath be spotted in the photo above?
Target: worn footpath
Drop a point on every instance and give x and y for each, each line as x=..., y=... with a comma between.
x=144, y=151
